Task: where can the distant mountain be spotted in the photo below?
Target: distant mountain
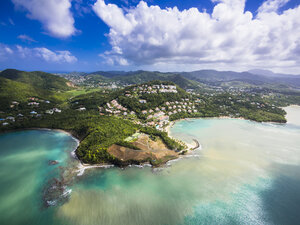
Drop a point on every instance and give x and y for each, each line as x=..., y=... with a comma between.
x=261, y=72
x=213, y=77
x=108, y=74
x=271, y=74
x=140, y=76
x=220, y=78
x=201, y=78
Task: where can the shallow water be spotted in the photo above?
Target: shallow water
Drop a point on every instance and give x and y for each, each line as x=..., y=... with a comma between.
x=245, y=173
x=24, y=171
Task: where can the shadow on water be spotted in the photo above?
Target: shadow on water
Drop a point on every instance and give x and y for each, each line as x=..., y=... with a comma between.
x=282, y=200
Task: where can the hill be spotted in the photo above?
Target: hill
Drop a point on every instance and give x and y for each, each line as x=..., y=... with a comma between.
x=193, y=80
x=37, y=79
x=18, y=86
x=221, y=78
x=139, y=77
x=108, y=121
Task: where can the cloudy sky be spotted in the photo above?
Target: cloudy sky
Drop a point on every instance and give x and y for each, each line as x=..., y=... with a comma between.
x=165, y=35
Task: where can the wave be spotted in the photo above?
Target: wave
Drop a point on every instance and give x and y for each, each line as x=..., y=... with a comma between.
x=82, y=168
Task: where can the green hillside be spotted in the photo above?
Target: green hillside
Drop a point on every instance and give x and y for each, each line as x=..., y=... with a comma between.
x=106, y=117
x=139, y=77
x=14, y=91
x=18, y=86
x=37, y=79
x=96, y=99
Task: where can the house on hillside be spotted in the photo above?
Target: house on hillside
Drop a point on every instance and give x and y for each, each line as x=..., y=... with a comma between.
x=49, y=111
x=57, y=110
x=34, y=103
x=81, y=109
x=11, y=118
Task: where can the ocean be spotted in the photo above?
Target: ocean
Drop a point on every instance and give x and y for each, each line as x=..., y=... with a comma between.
x=244, y=173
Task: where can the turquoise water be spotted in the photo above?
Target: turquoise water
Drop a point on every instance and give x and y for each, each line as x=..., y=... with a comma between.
x=245, y=173
x=24, y=173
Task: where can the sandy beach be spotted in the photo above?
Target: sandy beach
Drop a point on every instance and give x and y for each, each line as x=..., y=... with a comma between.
x=190, y=146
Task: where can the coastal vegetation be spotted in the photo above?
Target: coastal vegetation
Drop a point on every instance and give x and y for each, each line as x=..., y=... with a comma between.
x=102, y=117
x=96, y=133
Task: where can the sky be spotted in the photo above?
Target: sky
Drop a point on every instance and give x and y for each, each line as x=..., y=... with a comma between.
x=164, y=35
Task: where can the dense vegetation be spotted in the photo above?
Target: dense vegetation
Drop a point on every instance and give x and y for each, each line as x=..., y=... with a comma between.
x=18, y=86
x=171, y=143
x=224, y=104
x=97, y=133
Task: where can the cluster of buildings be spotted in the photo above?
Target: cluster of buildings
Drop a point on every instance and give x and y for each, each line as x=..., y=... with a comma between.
x=31, y=110
x=170, y=108
x=158, y=119
x=10, y=119
x=51, y=111
x=154, y=89
x=114, y=108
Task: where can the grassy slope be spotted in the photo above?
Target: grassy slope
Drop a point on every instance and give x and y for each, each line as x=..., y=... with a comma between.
x=18, y=86
x=16, y=91
x=37, y=79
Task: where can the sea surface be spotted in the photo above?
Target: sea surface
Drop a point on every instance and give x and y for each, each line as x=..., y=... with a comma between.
x=244, y=173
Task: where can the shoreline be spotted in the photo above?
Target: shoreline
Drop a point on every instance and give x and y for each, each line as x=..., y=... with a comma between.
x=197, y=144
x=81, y=167
x=190, y=147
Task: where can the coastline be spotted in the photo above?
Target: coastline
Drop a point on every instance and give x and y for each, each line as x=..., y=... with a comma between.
x=73, y=154
x=81, y=167
x=190, y=147
x=197, y=144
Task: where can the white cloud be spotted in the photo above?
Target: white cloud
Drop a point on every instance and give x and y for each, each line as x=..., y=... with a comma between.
x=8, y=50
x=55, y=15
x=18, y=52
x=5, y=51
x=26, y=38
x=11, y=21
x=58, y=56
x=46, y=55
x=229, y=37
x=271, y=6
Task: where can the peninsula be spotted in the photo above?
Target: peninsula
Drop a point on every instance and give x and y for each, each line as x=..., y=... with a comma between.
x=121, y=123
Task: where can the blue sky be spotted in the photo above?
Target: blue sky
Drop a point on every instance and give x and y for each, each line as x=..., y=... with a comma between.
x=90, y=35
